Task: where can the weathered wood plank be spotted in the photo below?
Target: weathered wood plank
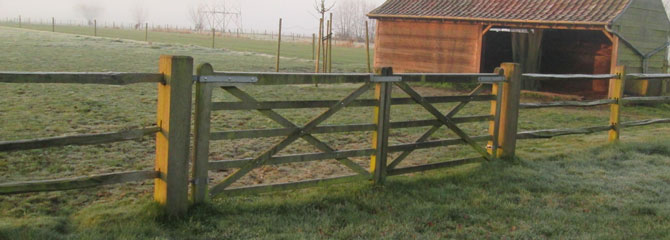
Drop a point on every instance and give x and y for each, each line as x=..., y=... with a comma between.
x=84, y=139
x=290, y=186
x=568, y=76
x=109, y=78
x=432, y=166
x=218, y=106
x=566, y=104
x=76, y=183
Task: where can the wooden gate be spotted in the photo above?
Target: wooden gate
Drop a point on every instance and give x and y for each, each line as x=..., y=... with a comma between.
x=207, y=81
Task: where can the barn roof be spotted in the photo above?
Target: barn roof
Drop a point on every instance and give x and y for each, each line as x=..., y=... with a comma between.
x=593, y=12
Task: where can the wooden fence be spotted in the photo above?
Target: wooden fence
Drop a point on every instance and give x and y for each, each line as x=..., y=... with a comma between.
x=615, y=100
x=172, y=130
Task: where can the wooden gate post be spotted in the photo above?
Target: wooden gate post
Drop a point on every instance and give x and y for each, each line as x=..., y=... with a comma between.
x=509, y=112
x=203, y=109
x=380, y=135
x=172, y=142
x=616, y=93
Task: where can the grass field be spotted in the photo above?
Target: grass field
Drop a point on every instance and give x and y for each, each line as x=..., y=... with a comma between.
x=344, y=58
x=567, y=187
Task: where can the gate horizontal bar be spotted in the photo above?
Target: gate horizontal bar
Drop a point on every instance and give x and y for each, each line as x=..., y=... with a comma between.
x=336, y=78
x=225, y=164
x=276, y=132
x=218, y=106
x=289, y=186
x=227, y=79
x=432, y=166
x=238, y=163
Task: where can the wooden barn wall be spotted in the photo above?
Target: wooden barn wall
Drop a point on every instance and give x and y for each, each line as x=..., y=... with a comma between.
x=645, y=25
x=428, y=46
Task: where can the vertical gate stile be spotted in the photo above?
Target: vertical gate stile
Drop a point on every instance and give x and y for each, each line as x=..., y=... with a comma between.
x=202, y=118
x=380, y=135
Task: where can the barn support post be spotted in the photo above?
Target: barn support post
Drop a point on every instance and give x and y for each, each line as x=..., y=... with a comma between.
x=381, y=134
x=509, y=113
x=172, y=141
x=616, y=93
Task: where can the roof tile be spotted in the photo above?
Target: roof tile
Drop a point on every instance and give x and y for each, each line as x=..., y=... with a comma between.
x=578, y=11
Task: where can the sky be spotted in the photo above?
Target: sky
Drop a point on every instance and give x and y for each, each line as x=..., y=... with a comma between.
x=298, y=16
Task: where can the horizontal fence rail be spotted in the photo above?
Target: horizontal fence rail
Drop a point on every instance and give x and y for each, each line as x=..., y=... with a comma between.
x=567, y=104
x=108, y=78
x=76, y=183
x=84, y=139
x=569, y=76
x=550, y=133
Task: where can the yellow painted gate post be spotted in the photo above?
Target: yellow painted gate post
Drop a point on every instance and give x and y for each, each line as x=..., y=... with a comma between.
x=509, y=112
x=172, y=142
x=496, y=109
x=616, y=93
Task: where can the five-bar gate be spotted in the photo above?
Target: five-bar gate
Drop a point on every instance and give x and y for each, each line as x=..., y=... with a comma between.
x=499, y=140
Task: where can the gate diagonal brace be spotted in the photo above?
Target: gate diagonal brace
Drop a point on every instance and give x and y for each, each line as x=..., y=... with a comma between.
x=447, y=121
x=434, y=129
x=293, y=136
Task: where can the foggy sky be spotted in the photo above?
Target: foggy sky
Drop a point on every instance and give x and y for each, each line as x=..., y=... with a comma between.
x=299, y=15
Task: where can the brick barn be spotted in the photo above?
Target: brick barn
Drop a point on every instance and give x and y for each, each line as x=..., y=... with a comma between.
x=545, y=36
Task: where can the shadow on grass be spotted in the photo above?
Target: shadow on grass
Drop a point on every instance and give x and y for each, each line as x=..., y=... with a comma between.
x=609, y=192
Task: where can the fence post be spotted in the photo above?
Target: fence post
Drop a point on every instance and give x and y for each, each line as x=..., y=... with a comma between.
x=95, y=28
x=202, y=120
x=146, y=32
x=616, y=93
x=509, y=114
x=53, y=24
x=172, y=142
x=279, y=45
x=380, y=135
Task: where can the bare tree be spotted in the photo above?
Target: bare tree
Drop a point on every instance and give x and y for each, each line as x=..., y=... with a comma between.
x=140, y=15
x=350, y=17
x=198, y=16
x=90, y=11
